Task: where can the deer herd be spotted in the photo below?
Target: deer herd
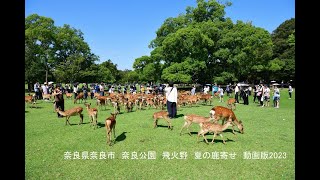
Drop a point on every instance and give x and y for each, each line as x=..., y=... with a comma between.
x=139, y=101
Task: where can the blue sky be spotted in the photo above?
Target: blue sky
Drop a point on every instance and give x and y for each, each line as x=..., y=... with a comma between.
x=121, y=30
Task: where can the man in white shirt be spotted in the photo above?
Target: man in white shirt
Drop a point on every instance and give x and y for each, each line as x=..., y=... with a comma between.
x=172, y=97
x=236, y=93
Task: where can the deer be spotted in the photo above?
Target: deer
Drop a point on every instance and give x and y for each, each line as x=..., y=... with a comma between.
x=111, y=126
x=93, y=115
x=215, y=128
x=159, y=115
x=206, y=97
x=231, y=103
x=71, y=112
x=193, y=118
x=68, y=95
x=79, y=97
x=220, y=112
x=30, y=99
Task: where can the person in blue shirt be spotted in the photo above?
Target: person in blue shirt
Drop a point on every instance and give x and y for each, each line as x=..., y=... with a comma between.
x=215, y=89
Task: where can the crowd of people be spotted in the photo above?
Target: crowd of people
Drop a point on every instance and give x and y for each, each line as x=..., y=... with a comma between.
x=261, y=92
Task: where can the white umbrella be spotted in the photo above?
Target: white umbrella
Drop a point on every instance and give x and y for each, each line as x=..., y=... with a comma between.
x=272, y=81
x=275, y=84
x=242, y=84
x=50, y=82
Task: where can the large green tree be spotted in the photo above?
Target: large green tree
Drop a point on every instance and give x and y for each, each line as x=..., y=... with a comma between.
x=204, y=46
x=283, y=38
x=39, y=42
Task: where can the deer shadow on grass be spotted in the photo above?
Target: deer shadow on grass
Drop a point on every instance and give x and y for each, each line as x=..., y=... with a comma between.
x=163, y=126
x=121, y=137
x=216, y=140
x=73, y=124
x=100, y=125
x=179, y=115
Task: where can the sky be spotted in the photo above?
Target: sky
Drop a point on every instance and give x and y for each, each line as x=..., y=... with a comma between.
x=121, y=30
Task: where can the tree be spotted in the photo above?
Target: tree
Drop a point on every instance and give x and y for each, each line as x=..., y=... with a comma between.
x=39, y=42
x=283, y=38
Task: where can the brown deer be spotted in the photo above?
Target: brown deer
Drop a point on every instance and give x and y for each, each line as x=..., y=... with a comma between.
x=220, y=112
x=72, y=112
x=193, y=118
x=231, y=103
x=215, y=128
x=111, y=126
x=93, y=115
x=68, y=95
x=30, y=99
x=164, y=115
x=206, y=98
x=79, y=97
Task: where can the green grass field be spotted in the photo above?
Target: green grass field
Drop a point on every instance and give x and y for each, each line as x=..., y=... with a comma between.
x=266, y=150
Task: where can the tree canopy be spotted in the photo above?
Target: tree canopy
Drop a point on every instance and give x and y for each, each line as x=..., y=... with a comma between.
x=198, y=46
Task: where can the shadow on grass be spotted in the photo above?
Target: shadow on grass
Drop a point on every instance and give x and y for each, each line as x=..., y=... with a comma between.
x=100, y=125
x=36, y=107
x=163, y=126
x=179, y=115
x=216, y=140
x=73, y=124
x=121, y=137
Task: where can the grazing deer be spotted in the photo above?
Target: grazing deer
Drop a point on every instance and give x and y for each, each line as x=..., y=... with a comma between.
x=71, y=112
x=231, y=103
x=93, y=115
x=111, y=126
x=215, y=128
x=193, y=118
x=220, y=112
x=164, y=115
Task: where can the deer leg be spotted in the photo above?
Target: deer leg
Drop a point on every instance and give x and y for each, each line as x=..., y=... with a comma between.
x=185, y=123
x=189, y=123
x=204, y=137
x=155, y=123
x=233, y=128
x=169, y=123
x=68, y=120
x=224, y=142
x=81, y=119
x=109, y=137
x=214, y=135
x=199, y=133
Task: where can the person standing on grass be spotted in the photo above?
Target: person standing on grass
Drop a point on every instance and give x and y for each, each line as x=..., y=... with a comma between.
x=172, y=97
x=236, y=93
x=221, y=94
x=290, y=91
x=58, y=99
x=75, y=90
x=276, y=97
x=255, y=92
x=36, y=89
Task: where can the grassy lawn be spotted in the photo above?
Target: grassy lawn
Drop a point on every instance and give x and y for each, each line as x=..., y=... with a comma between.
x=267, y=130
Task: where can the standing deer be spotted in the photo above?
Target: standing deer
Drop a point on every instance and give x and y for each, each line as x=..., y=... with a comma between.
x=231, y=103
x=93, y=115
x=111, y=126
x=72, y=112
x=161, y=114
x=215, y=128
x=193, y=118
